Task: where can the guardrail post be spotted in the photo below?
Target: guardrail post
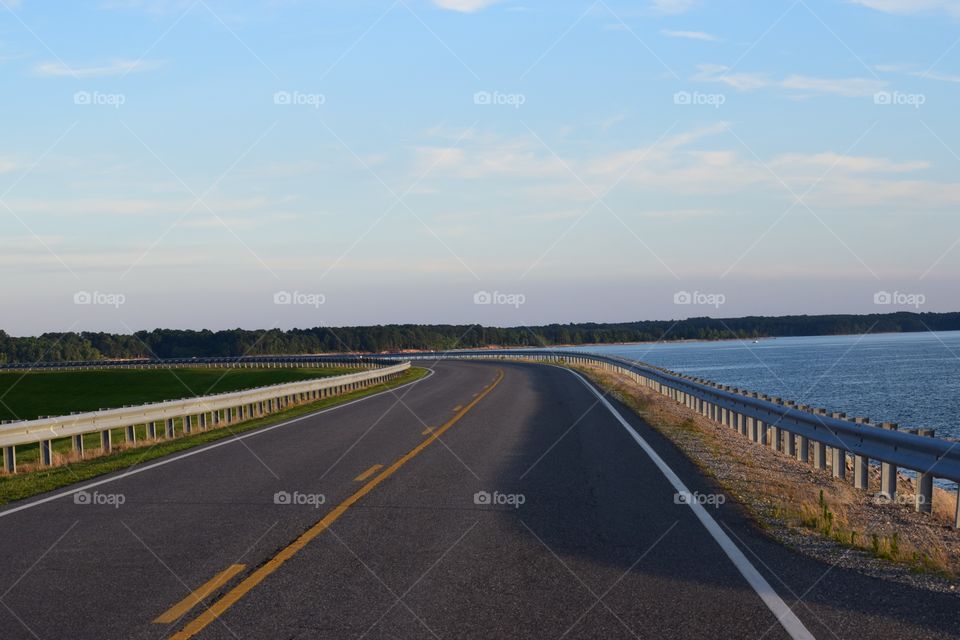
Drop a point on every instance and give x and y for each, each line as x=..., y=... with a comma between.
x=152, y=430
x=956, y=515
x=839, y=456
x=803, y=442
x=187, y=424
x=861, y=464
x=203, y=421
x=819, y=448
x=130, y=433
x=923, y=499
x=888, y=472
x=46, y=452
x=10, y=459
x=77, y=443
x=789, y=439
x=771, y=432
x=171, y=428
x=106, y=440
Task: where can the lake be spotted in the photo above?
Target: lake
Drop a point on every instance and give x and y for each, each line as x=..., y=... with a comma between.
x=909, y=378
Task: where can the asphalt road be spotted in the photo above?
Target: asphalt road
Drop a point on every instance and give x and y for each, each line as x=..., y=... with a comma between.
x=581, y=536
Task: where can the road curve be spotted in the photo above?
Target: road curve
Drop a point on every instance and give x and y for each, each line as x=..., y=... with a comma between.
x=581, y=536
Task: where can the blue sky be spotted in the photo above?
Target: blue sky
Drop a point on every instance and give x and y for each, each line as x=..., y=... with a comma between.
x=185, y=162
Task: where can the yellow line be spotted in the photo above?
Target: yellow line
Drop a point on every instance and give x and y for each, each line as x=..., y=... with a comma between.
x=369, y=472
x=178, y=610
x=458, y=407
x=230, y=598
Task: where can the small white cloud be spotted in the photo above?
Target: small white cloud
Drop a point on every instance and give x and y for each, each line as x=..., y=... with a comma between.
x=907, y=7
x=465, y=6
x=892, y=68
x=672, y=6
x=936, y=75
x=690, y=35
x=115, y=68
x=612, y=121
x=852, y=164
x=847, y=87
x=739, y=81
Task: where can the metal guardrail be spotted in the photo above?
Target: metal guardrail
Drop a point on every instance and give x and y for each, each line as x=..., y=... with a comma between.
x=806, y=433
x=160, y=417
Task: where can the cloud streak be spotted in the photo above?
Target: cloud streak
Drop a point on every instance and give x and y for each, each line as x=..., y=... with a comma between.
x=465, y=6
x=690, y=35
x=910, y=7
x=114, y=68
x=845, y=87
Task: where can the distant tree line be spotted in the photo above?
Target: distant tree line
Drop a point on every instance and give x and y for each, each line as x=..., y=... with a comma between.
x=171, y=343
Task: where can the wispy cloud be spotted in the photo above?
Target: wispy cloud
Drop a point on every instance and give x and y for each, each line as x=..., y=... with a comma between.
x=673, y=6
x=612, y=121
x=936, y=75
x=114, y=68
x=912, y=6
x=690, y=35
x=155, y=7
x=465, y=6
x=846, y=87
x=893, y=68
x=740, y=81
x=853, y=164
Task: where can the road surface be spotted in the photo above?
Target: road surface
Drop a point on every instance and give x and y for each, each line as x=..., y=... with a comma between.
x=487, y=500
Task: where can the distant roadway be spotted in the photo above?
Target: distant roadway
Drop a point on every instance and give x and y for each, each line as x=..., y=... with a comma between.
x=489, y=500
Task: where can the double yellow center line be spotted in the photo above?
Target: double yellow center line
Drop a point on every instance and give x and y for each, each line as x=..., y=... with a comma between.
x=230, y=598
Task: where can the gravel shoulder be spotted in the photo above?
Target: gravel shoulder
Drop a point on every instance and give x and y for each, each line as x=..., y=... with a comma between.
x=806, y=509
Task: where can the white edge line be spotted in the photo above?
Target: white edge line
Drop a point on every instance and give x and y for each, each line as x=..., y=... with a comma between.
x=784, y=614
x=201, y=449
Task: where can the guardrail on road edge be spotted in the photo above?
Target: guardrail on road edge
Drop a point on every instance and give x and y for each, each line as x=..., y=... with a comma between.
x=160, y=418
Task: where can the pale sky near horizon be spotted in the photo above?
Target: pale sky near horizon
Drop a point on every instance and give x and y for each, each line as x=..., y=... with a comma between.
x=280, y=163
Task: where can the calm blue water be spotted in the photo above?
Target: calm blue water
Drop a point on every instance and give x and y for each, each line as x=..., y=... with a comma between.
x=909, y=378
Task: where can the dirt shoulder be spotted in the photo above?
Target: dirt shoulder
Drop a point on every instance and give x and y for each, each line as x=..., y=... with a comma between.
x=807, y=509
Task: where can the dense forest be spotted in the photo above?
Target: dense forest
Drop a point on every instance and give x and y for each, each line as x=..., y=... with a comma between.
x=170, y=343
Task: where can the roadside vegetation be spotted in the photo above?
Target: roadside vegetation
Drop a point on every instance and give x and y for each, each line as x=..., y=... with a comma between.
x=32, y=480
x=804, y=508
x=25, y=396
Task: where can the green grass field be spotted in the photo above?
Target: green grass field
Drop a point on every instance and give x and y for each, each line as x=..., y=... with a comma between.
x=29, y=484
x=24, y=396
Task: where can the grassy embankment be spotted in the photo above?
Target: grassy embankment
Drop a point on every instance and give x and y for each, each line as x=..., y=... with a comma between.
x=86, y=392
